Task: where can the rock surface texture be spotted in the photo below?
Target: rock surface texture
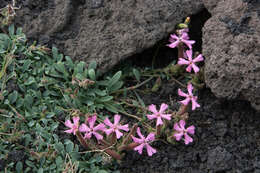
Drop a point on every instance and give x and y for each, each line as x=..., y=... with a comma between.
x=231, y=45
x=103, y=30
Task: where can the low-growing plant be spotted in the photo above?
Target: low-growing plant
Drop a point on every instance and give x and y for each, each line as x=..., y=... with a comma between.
x=168, y=125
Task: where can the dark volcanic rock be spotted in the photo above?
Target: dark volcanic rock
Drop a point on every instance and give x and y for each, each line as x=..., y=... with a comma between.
x=219, y=159
x=231, y=46
x=103, y=30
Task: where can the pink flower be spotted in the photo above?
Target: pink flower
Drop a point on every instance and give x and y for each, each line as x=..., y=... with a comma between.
x=116, y=126
x=159, y=115
x=191, y=62
x=180, y=128
x=73, y=126
x=91, y=130
x=189, y=97
x=184, y=38
x=144, y=142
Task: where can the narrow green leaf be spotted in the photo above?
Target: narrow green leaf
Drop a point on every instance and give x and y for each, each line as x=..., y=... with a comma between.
x=13, y=97
x=91, y=73
x=19, y=167
x=114, y=79
x=136, y=74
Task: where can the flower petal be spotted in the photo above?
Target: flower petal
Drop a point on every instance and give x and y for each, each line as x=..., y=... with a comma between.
x=173, y=44
x=191, y=130
x=123, y=127
x=166, y=116
x=137, y=140
x=189, y=54
x=108, y=122
x=100, y=127
x=182, y=61
x=118, y=133
x=178, y=136
x=92, y=120
x=198, y=58
x=75, y=120
x=84, y=128
x=185, y=35
x=188, y=69
x=153, y=109
x=159, y=121
x=190, y=88
x=139, y=133
x=139, y=148
x=188, y=43
x=69, y=131
x=150, y=117
x=177, y=127
x=187, y=139
x=150, y=137
x=182, y=124
x=116, y=119
x=68, y=123
x=88, y=135
x=195, y=68
x=163, y=107
x=182, y=93
x=98, y=136
x=150, y=150
x=186, y=101
x=174, y=36
x=194, y=103
x=109, y=131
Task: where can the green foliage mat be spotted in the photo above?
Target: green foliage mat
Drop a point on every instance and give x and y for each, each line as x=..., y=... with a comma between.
x=40, y=88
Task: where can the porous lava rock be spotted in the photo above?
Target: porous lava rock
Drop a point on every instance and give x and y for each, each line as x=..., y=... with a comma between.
x=231, y=46
x=103, y=30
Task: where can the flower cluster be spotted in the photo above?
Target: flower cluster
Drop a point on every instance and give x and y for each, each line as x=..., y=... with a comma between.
x=179, y=41
x=108, y=134
x=90, y=129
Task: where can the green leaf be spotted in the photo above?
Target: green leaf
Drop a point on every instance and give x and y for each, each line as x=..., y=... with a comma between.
x=19, y=167
x=136, y=74
x=55, y=53
x=105, y=99
x=139, y=99
x=116, y=86
x=59, y=161
x=26, y=65
x=91, y=73
x=30, y=81
x=100, y=92
x=11, y=30
x=92, y=65
x=40, y=170
x=114, y=79
x=69, y=147
x=79, y=67
x=13, y=97
x=69, y=62
x=111, y=108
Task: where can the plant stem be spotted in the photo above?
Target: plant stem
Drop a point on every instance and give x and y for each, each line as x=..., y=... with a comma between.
x=132, y=87
x=82, y=140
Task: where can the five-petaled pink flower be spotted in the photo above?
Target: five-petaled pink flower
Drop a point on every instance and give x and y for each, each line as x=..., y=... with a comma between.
x=144, y=142
x=91, y=130
x=180, y=128
x=189, y=97
x=115, y=127
x=73, y=126
x=190, y=62
x=183, y=38
x=159, y=115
